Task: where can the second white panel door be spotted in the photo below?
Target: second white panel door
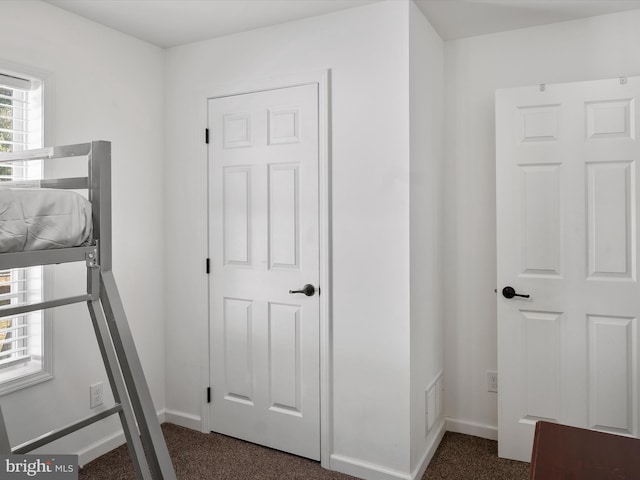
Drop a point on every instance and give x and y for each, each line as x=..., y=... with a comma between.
x=567, y=216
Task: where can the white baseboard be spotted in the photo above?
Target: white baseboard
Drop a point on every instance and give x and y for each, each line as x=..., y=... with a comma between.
x=100, y=447
x=431, y=450
x=472, y=428
x=365, y=470
x=187, y=420
x=339, y=463
x=105, y=445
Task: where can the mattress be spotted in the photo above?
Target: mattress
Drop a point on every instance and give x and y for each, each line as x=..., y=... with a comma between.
x=42, y=219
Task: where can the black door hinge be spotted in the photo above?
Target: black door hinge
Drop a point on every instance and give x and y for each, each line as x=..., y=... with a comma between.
x=208, y=266
x=206, y=136
x=208, y=394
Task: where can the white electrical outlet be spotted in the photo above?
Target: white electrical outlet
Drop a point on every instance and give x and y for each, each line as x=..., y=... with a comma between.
x=492, y=381
x=96, y=395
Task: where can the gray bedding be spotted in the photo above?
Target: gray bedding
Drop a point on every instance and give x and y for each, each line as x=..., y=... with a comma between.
x=41, y=219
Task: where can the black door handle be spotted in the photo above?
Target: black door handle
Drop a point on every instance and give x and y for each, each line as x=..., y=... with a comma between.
x=308, y=290
x=509, y=292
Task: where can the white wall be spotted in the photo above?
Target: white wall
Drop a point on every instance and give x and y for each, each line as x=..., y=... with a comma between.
x=374, y=310
x=426, y=101
x=594, y=48
x=103, y=86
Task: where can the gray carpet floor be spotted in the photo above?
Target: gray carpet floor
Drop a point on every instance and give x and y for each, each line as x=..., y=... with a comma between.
x=200, y=456
x=473, y=458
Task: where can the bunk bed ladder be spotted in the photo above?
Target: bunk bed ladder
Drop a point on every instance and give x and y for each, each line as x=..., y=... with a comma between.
x=133, y=402
x=128, y=383
x=137, y=389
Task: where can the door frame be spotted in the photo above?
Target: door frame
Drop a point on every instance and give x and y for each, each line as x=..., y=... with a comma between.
x=322, y=79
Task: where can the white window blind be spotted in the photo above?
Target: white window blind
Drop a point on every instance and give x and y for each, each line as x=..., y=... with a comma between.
x=15, y=332
x=21, y=345
x=20, y=119
x=14, y=115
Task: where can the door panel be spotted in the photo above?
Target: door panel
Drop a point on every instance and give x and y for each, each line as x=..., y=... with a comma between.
x=236, y=215
x=264, y=241
x=541, y=220
x=284, y=215
x=612, y=347
x=610, y=225
x=567, y=219
x=284, y=358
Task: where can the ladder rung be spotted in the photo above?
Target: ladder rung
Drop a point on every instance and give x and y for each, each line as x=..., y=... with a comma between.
x=56, y=434
x=8, y=312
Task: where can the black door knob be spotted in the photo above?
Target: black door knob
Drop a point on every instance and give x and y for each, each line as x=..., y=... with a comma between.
x=308, y=290
x=509, y=292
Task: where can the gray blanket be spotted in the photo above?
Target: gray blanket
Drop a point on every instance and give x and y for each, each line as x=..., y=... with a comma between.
x=41, y=219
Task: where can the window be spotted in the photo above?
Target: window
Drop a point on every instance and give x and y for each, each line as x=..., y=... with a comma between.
x=24, y=340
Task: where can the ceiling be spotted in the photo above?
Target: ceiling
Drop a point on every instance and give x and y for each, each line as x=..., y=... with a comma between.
x=169, y=23
x=459, y=18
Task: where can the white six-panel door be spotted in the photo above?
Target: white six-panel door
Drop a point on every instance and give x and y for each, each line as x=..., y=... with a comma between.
x=264, y=242
x=567, y=235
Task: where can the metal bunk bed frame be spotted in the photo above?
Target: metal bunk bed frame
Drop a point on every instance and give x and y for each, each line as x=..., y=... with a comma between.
x=133, y=402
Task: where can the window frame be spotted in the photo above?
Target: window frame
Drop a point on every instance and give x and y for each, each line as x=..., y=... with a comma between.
x=29, y=374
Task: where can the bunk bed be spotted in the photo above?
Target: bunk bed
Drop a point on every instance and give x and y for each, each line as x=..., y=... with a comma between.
x=71, y=228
